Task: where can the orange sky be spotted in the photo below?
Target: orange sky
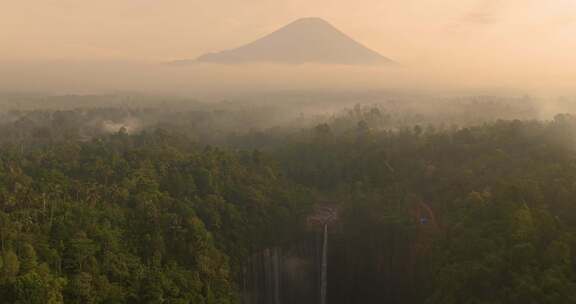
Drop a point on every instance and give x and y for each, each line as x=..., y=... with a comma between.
x=532, y=39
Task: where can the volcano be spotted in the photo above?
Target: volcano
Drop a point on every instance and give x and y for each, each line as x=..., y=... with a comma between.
x=306, y=40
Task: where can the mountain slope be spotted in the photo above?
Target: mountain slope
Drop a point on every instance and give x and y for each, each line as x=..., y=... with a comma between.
x=307, y=40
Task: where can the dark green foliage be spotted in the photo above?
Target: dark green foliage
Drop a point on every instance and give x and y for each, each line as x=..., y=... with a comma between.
x=502, y=192
x=135, y=219
x=157, y=218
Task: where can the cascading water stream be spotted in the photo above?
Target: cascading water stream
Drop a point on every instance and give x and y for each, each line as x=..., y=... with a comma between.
x=294, y=274
x=276, y=270
x=324, y=265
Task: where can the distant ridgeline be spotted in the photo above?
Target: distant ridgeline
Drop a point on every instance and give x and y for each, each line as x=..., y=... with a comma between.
x=361, y=208
x=307, y=40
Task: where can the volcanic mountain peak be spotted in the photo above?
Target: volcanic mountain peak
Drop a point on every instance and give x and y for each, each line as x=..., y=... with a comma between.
x=306, y=40
x=311, y=20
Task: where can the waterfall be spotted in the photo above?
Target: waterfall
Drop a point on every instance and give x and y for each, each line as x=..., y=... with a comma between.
x=268, y=277
x=276, y=270
x=323, y=273
x=276, y=275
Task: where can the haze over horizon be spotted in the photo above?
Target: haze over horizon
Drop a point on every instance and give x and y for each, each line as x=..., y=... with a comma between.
x=520, y=44
x=287, y=151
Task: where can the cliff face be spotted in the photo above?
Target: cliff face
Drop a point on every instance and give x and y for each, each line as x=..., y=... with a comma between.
x=365, y=264
x=283, y=275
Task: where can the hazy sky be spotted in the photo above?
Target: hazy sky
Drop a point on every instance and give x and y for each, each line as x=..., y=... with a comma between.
x=534, y=39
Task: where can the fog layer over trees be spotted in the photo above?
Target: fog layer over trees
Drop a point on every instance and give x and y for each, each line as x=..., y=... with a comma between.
x=135, y=199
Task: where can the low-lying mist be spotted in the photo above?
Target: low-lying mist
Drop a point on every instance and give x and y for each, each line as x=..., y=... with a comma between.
x=256, y=120
x=108, y=96
x=213, y=81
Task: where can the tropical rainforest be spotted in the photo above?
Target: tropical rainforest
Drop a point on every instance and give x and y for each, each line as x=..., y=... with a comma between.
x=217, y=203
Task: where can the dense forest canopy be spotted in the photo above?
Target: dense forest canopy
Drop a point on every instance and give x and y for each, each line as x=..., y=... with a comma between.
x=173, y=203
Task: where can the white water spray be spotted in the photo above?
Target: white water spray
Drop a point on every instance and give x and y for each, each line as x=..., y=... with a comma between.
x=323, y=275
